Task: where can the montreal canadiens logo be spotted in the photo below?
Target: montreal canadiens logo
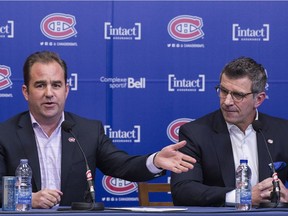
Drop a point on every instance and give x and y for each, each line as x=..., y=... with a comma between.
x=186, y=28
x=118, y=186
x=5, y=74
x=173, y=128
x=58, y=26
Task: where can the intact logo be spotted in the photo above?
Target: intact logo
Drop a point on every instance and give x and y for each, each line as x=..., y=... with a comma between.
x=7, y=29
x=240, y=33
x=73, y=82
x=173, y=128
x=186, y=85
x=122, y=33
x=118, y=186
x=185, y=28
x=58, y=26
x=5, y=73
x=122, y=136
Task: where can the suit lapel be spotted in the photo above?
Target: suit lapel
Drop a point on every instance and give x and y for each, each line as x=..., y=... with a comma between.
x=28, y=142
x=224, y=150
x=68, y=146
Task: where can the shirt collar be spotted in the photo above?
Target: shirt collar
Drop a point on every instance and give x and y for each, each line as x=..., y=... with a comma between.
x=34, y=122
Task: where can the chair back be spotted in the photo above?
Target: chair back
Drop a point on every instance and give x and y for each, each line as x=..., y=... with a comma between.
x=144, y=189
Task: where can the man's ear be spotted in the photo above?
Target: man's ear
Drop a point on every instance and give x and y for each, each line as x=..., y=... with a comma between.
x=25, y=92
x=259, y=98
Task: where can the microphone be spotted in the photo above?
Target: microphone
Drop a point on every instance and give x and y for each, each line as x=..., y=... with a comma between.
x=275, y=194
x=67, y=127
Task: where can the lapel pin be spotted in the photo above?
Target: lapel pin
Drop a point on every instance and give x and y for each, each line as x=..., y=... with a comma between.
x=270, y=141
x=71, y=139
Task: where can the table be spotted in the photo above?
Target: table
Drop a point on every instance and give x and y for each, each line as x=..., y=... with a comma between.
x=194, y=211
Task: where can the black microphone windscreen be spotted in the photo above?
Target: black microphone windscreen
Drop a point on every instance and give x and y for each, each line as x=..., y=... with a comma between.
x=67, y=126
x=257, y=125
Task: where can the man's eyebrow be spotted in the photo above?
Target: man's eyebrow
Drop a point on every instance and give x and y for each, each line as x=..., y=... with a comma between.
x=40, y=81
x=57, y=81
x=234, y=92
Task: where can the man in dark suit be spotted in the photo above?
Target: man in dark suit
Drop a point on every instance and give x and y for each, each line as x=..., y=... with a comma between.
x=220, y=139
x=57, y=163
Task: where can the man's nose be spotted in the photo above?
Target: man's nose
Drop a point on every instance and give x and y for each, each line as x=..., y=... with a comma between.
x=229, y=99
x=49, y=91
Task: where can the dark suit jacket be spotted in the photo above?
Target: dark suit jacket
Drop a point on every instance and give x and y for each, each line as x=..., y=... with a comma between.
x=214, y=173
x=17, y=141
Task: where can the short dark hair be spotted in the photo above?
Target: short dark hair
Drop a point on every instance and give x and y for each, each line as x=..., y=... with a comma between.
x=247, y=67
x=42, y=57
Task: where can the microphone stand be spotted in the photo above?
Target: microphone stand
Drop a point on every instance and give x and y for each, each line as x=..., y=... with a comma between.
x=88, y=206
x=274, y=195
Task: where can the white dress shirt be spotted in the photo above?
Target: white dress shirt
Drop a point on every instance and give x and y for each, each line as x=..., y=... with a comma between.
x=244, y=146
x=49, y=153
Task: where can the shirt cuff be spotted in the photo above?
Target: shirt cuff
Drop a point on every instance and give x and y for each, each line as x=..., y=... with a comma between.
x=150, y=164
x=230, y=197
